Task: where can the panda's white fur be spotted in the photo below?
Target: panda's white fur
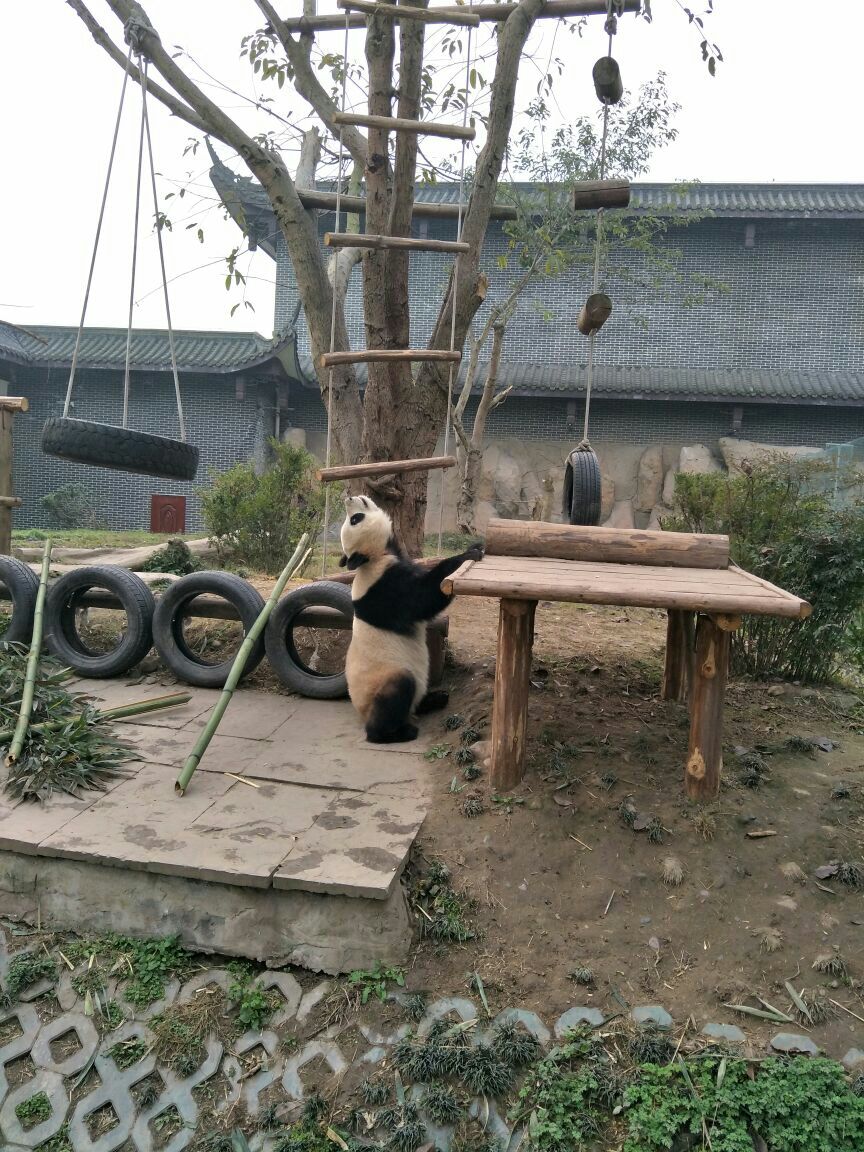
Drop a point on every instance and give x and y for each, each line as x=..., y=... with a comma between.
x=387, y=667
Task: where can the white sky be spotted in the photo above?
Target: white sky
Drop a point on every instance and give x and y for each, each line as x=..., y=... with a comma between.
x=785, y=106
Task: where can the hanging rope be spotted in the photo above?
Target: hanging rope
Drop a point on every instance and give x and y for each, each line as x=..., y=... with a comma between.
x=126, y=370
x=333, y=304
x=610, y=27
x=448, y=418
x=68, y=401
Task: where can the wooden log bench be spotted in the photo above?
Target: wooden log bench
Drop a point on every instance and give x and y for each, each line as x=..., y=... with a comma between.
x=688, y=575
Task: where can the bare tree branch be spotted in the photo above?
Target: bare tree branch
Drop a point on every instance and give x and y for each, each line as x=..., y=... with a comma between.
x=308, y=85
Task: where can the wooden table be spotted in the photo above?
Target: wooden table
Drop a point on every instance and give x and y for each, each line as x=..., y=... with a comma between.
x=704, y=606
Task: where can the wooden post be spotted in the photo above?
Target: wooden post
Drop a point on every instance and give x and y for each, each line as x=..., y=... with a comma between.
x=6, y=418
x=707, y=691
x=679, y=654
x=510, y=705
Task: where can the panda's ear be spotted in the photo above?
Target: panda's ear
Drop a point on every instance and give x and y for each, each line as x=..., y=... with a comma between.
x=343, y=560
x=356, y=560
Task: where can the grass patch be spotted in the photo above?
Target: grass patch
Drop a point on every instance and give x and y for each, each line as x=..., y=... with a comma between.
x=375, y=982
x=25, y=970
x=94, y=537
x=182, y=1030
x=33, y=1111
x=254, y=1006
x=125, y=1053
x=58, y=1143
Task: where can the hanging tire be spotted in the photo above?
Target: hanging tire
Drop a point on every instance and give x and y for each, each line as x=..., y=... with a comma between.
x=583, y=488
x=21, y=585
x=62, y=635
x=280, y=642
x=172, y=612
x=107, y=446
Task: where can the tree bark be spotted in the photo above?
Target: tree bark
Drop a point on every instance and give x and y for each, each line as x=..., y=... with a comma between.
x=467, y=509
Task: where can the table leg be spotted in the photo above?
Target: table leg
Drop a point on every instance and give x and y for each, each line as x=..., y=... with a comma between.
x=510, y=706
x=679, y=654
x=707, y=691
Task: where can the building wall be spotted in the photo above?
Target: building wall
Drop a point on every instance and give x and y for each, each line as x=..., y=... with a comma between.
x=225, y=428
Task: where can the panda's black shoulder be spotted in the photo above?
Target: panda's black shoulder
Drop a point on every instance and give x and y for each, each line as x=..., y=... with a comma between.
x=390, y=603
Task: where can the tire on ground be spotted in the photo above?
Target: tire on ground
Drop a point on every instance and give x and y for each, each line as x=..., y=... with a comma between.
x=282, y=651
x=172, y=610
x=61, y=626
x=21, y=585
x=583, y=487
x=107, y=446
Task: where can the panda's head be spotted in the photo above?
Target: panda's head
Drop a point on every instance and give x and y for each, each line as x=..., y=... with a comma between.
x=366, y=531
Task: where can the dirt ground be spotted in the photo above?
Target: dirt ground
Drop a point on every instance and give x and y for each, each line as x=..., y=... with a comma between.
x=557, y=878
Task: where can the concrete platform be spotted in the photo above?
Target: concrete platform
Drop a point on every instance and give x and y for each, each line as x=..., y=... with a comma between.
x=298, y=861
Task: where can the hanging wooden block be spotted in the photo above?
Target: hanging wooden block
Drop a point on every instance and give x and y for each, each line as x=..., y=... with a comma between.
x=601, y=194
x=594, y=313
x=607, y=80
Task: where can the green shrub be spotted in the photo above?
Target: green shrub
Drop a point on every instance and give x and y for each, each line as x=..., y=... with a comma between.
x=785, y=531
x=69, y=507
x=173, y=557
x=258, y=518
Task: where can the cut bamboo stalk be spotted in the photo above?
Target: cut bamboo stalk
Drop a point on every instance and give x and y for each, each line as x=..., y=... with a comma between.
x=463, y=18
x=386, y=355
x=300, y=556
x=366, y=240
x=26, y=708
x=607, y=80
x=120, y=712
x=493, y=13
x=313, y=198
x=14, y=404
x=399, y=124
x=594, y=313
x=591, y=194
x=384, y=468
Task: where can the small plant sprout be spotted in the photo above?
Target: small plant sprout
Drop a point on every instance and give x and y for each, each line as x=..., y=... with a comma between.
x=473, y=806
x=464, y=756
x=832, y=964
x=440, y=1104
x=375, y=1092
x=851, y=873
x=799, y=744
x=770, y=939
x=454, y=721
x=437, y=752
x=375, y=981
x=608, y=781
x=627, y=812
x=841, y=791
x=471, y=735
x=583, y=975
x=819, y=1007
x=794, y=872
x=472, y=772
x=705, y=825
x=415, y=1006
x=655, y=830
x=515, y=1046
x=673, y=871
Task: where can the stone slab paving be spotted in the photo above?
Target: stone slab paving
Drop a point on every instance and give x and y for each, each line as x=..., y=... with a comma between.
x=317, y=810
x=283, y=1072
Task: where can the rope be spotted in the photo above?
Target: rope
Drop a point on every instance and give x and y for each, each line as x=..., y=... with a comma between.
x=448, y=418
x=610, y=27
x=74, y=365
x=126, y=371
x=333, y=304
x=171, y=346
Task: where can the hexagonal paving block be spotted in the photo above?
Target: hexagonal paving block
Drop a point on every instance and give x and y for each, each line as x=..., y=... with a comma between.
x=52, y=1085
x=326, y=1049
x=68, y=1022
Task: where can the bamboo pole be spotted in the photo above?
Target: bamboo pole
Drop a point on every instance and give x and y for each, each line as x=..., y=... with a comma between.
x=301, y=554
x=400, y=124
x=119, y=712
x=387, y=356
x=466, y=19
x=20, y=732
x=413, y=243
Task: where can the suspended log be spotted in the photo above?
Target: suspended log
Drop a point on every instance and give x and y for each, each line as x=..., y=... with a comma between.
x=367, y=240
x=606, y=545
x=705, y=753
x=14, y=404
x=594, y=313
x=607, y=80
x=398, y=124
x=10, y=501
x=386, y=355
x=553, y=10
x=384, y=468
x=592, y=194
x=463, y=18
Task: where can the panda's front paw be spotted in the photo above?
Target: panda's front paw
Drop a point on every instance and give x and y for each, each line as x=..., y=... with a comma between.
x=476, y=551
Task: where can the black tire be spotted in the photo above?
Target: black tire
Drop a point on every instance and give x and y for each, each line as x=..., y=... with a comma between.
x=583, y=488
x=61, y=631
x=171, y=611
x=107, y=446
x=21, y=585
x=281, y=649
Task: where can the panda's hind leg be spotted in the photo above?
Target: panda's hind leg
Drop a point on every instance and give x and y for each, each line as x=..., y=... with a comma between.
x=433, y=702
x=389, y=719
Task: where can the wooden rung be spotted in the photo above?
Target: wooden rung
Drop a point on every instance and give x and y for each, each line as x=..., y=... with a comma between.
x=366, y=240
x=601, y=194
x=384, y=355
x=384, y=468
x=463, y=18
x=14, y=404
x=552, y=10
x=313, y=198
x=398, y=124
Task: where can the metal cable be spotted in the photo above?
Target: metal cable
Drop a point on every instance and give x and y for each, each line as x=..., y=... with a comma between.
x=77, y=347
x=171, y=346
x=333, y=303
x=126, y=371
x=452, y=372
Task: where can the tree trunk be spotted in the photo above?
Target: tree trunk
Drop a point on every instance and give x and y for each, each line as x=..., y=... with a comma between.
x=473, y=460
x=466, y=513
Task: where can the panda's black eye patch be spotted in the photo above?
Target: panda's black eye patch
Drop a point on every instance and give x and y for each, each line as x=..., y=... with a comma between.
x=357, y=517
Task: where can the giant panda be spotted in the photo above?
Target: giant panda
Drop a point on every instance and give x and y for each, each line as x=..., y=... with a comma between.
x=387, y=666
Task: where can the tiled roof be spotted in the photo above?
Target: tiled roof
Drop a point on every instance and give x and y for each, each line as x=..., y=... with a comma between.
x=765, y=385
x=52, y=346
